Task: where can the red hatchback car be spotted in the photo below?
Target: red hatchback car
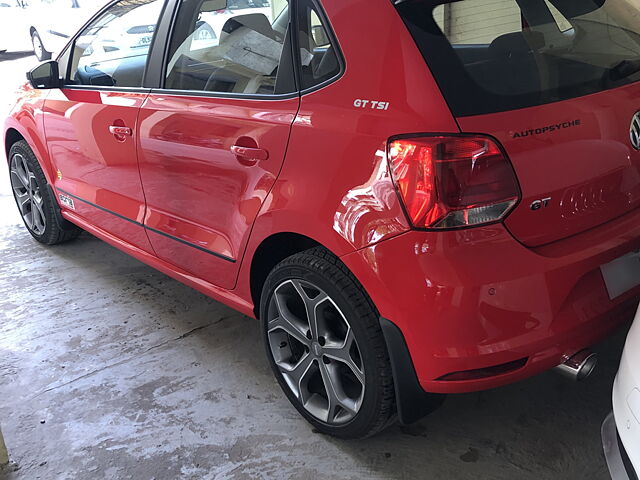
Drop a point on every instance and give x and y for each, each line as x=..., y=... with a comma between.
x=415, y=197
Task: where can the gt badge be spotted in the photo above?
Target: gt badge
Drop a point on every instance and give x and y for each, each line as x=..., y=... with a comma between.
x=538, y=204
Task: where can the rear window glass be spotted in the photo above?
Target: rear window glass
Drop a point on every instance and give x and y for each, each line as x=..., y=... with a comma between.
x=499, y=55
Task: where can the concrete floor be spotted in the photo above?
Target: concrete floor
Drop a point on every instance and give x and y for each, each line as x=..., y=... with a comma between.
x=111, y=370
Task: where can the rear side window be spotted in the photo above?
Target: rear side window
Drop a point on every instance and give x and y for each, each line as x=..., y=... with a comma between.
x=243, y=49
x=112, y=50
x=318, y=55
x=499, y=55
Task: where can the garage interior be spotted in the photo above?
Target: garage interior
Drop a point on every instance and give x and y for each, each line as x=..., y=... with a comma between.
x=110, y=369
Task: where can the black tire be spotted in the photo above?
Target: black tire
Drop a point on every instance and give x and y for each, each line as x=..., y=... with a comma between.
x=41, y=53
x=56, y=229
x=320, y=268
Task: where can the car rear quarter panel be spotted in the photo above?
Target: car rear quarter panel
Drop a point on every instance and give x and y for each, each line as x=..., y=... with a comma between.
x=334, y=186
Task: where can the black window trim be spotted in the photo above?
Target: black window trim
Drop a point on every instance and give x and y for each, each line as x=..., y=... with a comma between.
x=103, y=88
x=160, y=44
x=153, y=76
x=322, y=15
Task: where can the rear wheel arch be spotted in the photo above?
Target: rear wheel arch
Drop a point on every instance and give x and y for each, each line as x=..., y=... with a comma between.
x=271, y=251
x=411, y=401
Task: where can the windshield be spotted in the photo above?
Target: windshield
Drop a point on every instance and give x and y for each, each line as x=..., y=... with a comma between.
x=503, y=55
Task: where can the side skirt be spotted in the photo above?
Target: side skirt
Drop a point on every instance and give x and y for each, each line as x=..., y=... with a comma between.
x=213, y=291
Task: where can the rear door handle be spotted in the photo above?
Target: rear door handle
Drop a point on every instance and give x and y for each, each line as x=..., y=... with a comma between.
x=247, y=153
x=120, y=131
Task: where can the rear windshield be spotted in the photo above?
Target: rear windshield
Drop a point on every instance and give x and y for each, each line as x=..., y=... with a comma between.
x=498, y=55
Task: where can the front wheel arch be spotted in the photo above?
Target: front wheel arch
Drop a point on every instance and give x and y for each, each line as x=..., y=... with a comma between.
x=36, y=199
x=12, y=136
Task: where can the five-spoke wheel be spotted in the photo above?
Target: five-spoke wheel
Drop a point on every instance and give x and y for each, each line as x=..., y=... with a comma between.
x=38, y=209
x=325, y=345
x=314, y=347
x=27, y=194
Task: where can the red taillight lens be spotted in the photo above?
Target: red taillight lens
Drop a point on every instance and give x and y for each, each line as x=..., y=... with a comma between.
x=452, y=181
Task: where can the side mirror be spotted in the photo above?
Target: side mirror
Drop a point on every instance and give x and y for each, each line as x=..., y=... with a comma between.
x=45, y=75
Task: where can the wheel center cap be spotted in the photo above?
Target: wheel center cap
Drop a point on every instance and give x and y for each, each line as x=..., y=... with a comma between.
x=316, y=348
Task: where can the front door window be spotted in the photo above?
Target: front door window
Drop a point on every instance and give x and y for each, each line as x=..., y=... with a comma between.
x=112, y=51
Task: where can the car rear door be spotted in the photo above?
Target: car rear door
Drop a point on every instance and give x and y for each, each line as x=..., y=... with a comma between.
x=92, y=121
x=556, y=82
x=213, y=139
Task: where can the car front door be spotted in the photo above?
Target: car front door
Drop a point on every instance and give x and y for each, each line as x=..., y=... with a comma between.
x=213, y=139
x=91, y=122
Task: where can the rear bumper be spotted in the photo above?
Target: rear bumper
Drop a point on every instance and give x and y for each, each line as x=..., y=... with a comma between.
x=478, y=299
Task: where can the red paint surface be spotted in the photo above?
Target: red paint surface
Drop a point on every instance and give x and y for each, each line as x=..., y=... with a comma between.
x=529, y=287
x=196, y=188
x=95, y=164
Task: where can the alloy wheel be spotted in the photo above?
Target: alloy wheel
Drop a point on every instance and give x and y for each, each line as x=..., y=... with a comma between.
x=315, y=350
x=37, y=47
x=27, y=194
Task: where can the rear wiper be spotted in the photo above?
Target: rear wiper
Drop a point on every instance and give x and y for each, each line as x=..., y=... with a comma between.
x=624, y=69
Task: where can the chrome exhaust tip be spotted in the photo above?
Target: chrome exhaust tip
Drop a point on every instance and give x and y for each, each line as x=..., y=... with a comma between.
x=579, y=366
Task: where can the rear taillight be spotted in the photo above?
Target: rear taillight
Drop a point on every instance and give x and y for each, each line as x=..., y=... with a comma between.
x=452, y=181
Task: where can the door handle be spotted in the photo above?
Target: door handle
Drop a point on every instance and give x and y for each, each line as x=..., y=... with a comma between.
x=248, y=153
x=120, y=131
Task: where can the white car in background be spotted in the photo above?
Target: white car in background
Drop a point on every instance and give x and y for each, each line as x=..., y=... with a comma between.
x=54, y=22
x=44, y=26
x=14, y=28
x=621, y=429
